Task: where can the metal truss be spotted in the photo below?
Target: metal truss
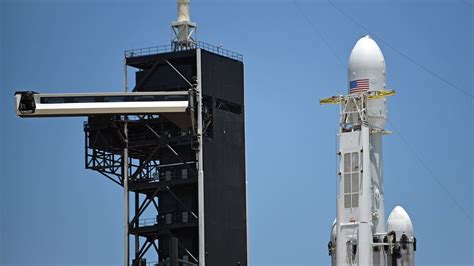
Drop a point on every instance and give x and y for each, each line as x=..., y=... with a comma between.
x=145, y=138
x=145, y=174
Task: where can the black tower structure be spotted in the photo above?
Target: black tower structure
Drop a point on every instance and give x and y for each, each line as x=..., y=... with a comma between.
x=188, y=169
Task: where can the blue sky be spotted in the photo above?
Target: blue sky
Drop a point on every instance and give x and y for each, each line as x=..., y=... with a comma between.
x=53, y=211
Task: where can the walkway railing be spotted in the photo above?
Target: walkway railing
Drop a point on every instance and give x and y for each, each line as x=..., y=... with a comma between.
x=169, y=48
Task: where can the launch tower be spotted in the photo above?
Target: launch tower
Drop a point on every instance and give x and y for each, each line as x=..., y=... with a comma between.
x=176, y=143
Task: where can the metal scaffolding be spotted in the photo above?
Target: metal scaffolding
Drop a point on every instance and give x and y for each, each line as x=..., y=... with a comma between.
x=152, y=157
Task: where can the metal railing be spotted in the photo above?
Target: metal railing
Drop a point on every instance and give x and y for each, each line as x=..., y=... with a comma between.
x=147, y=222
x=176, y=217
x=170, y=48
x=166, y=263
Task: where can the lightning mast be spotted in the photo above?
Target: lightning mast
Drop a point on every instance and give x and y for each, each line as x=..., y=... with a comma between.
x=183, y=28
x=359, y=235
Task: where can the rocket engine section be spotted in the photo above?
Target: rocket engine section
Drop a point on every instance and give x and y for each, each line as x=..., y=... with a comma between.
x=359, y=235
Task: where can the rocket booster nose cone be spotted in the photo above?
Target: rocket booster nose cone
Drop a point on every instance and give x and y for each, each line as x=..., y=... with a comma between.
x=366, y=70
x=400, y=222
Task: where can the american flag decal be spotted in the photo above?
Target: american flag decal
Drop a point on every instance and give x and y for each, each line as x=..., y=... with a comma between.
x=359, y=85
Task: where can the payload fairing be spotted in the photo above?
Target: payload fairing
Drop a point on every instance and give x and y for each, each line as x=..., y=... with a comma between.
x=359, y=235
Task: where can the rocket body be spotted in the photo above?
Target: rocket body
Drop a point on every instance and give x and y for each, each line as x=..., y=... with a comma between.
x=360, y=228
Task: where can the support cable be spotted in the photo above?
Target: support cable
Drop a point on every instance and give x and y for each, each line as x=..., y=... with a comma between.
x=319, y=33
x=430, y=172
x=429, y=71
x=467, y=3
x=397, y=132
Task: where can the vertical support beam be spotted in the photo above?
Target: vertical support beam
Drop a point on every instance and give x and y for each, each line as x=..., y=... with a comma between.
x=125, y=197
x=173, y=244
x=365, y=203
x=202, y=247
x=125, y=75
x=137, y=237
x=125, y=177
x=378, y=221
x=341, y=250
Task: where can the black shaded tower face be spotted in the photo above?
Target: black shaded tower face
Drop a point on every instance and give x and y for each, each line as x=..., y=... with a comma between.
x=224, y=161
x=164, y=151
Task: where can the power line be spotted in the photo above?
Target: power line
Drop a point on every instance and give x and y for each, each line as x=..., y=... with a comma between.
x=422, y=162
x=404, y=140
x=467, y=3
x=400, y=52
x=319, y=33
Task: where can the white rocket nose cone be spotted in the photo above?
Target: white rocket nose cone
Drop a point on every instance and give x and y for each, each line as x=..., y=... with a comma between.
x=400, y=222
x=366, y=69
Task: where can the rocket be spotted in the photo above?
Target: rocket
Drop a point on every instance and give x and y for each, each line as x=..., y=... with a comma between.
x=359, y=234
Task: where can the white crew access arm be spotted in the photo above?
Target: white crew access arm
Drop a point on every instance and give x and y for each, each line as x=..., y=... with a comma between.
x=32, y=104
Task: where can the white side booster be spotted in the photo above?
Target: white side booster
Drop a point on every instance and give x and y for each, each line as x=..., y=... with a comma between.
x=359, y=235
x=32, y=104
x=400, y=235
